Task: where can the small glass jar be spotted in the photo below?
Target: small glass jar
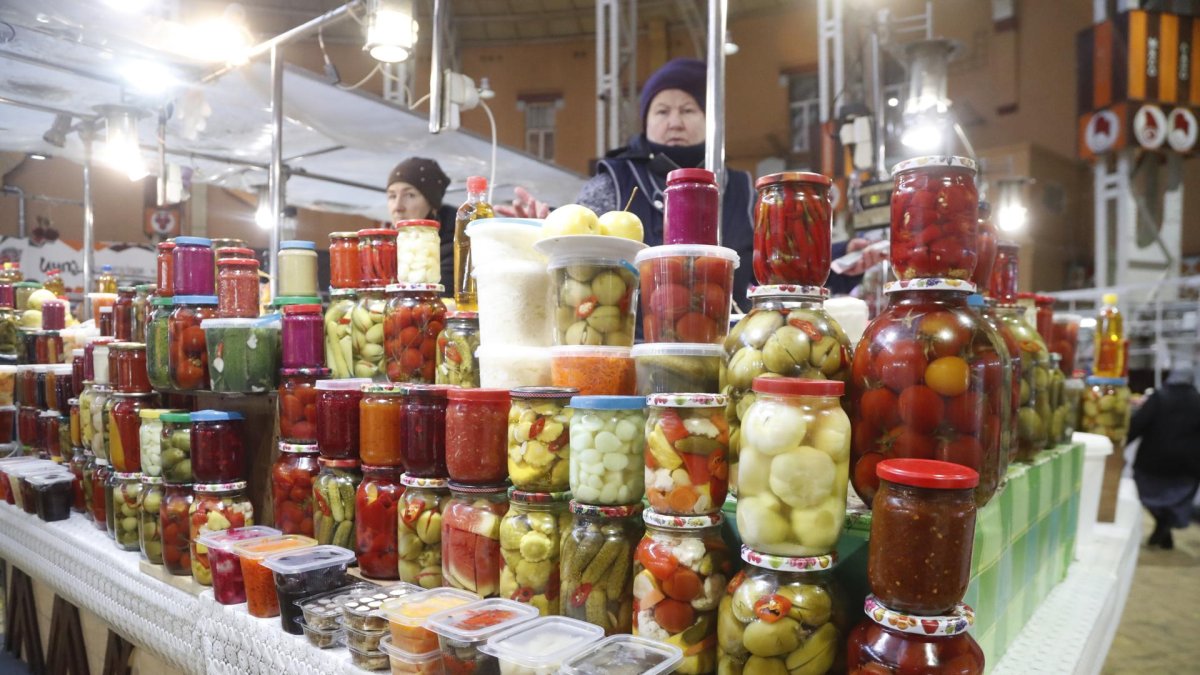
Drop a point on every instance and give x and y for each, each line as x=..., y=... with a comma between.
x=48, y=437
x=783, y=610
x=158, y=342
x=539, y=437
x=292, y=477
x=217, y=507
x=337, y=423
x=419, y=530
x=607, y=442
x=88, y=483
x=78, y=464
x=24, y=289
x=63, y=381
x=176, y=532
x=377, y=503
x=77, y=370
x=188, y=352
x=298, y=403
x=165, y=269
x=226, y=243
x=150, y=520
x=100, y=478
x=232, y=252
x=237, y=288
x=98, y=425
x=419, y=252
x=297, y=268
x=531, y=536
x=123, y=412
x=176, y=448
x=54, y=313
x=379, y=422
x=122, y=314
x=1106, y=409
x=141, y=310
x=128, y=370
x=456, y=363
x=687, y=453
x=477, y=435
x=1034, y=414
x=218, y=455
x=793, y=228
x=343, y=260
x=194, y=266
x=414, y=318
x=607, y=603
x=424, y=446
x=99, y=359
x=889, y=641
x=377, y=256
x=367, y=334
x=935, y=218
x=691, y=207
x=126, y=494
x=303, y=337
x=1006, y=273
x=922, y=533
x=334, y=501
x=339, y=346
x=471, y=538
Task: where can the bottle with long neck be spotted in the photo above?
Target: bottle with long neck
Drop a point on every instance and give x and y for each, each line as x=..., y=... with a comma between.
x=106, y=281
x=54, y=283
x=475, y=208
x=1110, y=340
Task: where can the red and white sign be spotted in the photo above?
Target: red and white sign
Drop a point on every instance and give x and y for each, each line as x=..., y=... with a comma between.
x=1150, y=127
x=1182, y=130
x=1103, y=131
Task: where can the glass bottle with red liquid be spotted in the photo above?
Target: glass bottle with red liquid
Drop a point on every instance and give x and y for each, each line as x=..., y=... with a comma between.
x=935, y=212
x=292, y=477
x=691, y=207
x=376, y=504
x=793, y=229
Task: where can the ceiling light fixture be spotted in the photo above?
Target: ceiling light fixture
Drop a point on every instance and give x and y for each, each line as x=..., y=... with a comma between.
x=926, y=106
x=1011, y=213
x=122, y=150
x=222, y=39
x=56, y=135
x=37, y=156
x=391, y=30
x=127, y=6
x=262, y=214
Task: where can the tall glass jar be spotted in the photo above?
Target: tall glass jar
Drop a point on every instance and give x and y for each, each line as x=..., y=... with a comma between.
x=607, y=442
x=986, y=240
x=539, y=438
x=927, y=383
x=1058, y=408
x=77, y=369
x=1010, y=359
x=60, y=387
x=292, y=477
x=793, y=229
x=333, y=501
x=1006, y=273
x=141, y=311
x=99, y=359
x=1035, y=413
x=123, y=314
x=419, y=530
x=366, y=333
x=176, y=447
x=188, y=352
x=123, y=412
x=456, y=363
x=338, y=416
x=100, y=478
x=150, y=441
x=1073, y=401
x=1106, y=409
x=477, y=435
x=608, y=602
x=194, y=265
x=165, y=269
x=419, y=252
x=691, y=207
x=77, y=464
x=377, y=505
x=158, y=343
x=303, y=337
x=237, y=288
x=339, y=346
x=415, y=317
x=176, y=531
x=531, y=536
x=297, y=268
x=218, y=454
x=424, y=444
x=128, y=369
x=379, y=420
x=935, y=218
x=298, y=403
x=377, y=256
x=471, y=538
x=110, y=507
x=150, y=520
x=97, y=426
x=125, y=510
x=217, y=507
x=888, y=641
x=88, y=483
x=687, y=453
x=343, y=261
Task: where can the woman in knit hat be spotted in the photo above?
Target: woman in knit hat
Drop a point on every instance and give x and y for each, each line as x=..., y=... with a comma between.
x=414, y=192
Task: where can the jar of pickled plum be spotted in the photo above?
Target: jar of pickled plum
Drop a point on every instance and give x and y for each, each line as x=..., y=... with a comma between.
x=125, y=429
x=339, y=347
x=415, y=317
x=691, y=208
x=608, y=601
x=122, y=314
x=343, y=260
x=927, y=383
x=176, y=531
x=100, y=480
x=126, y=493
x=188, y=352
x=1035, y=415
x=539, y=438
x=292, y=477
x=922, y=533
x=419, y=252
x=165, y=268
x=687, y=453
x=377, y=257
x=680, y=572
x=377, y=504
x=419, y=530
x=531, y=534
x=380, y=422
x=150, y=520
x=158, y=344
x=237, y=288
x=889, y=641
x=424, y=428
x=334, y=501
x=1106, y=408
x=303, y=337
x=985, y=243
x=456, y=346
x=366, y=333
x=935, y=218
x=607, y=443
x=686, y=292
x=337, y=424
x=129, y=373
x=1006, y=273
x=793, y=228
x=782, y=610
x=217, y=507
x=477, y=435
x=194, y=266
x=298, y=403
x=297, y=268
x=218, y=455
x=471, y=538
x=176, y=447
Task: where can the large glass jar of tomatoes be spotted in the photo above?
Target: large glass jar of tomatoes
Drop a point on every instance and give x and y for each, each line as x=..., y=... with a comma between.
x=456, y=346
x=1035, y=415
x=888, y=642
x=935, y=218
x=424, y=444
x=298, y=403
x=158, y=344
x=337, y=417
x=339, y=346
x=377, y=506
x=793, y=229
x=343, y=260
x=188, y=353
x=477, y=435
x=686, y=292
x=218, y=454
x=531, y=535
x=334, y=501
x=414, y=319
x=605, y=599
x=471, y=538
x=366, y=333
x=150, y=520
x=217, y=507
x=419, y=530
x=687, y=453
x=176, y=530
x=539, y=438
x=292, y=477
x=780, y=611
x=927, y=383
x=380, y=422
x=125, y=429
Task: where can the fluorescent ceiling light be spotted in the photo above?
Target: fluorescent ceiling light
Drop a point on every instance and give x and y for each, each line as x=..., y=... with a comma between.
x=121, y=149
x=391, y=30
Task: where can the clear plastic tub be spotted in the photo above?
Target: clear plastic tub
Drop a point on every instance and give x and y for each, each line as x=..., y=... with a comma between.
x=504, y=239
x=594, y=371
x=299, y=574
x=363, y=640
x=322, y=638
x=508, y=366
x=406, y=663
x=686, y=292
x=515, y=301
x=261, y=598
x=228, y=585
x=669, y=367
x=243, y=354
x=595, y=299
x=361, y=608
x=539, y=647
x=463, y=630
x=624, y=655
x=369, y=660
x=324, y=611
x=407, y=616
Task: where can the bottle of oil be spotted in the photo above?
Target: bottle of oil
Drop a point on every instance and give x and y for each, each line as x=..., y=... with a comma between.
x=12, y=272
x=1110, y=340
x=54, y=283
x=475, y=208
x=106, y=281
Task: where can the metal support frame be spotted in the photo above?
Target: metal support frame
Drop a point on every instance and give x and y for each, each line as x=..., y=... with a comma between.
x=438, y=113
x=831, y=56
x=616, y=72
x=714, y=117
x=1121, y=213
x=275, y=182
x=693, y=20
x=87, y=135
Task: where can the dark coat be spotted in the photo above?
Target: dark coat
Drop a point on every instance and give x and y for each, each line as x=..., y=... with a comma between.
x=1168, y=423
x=446, y=215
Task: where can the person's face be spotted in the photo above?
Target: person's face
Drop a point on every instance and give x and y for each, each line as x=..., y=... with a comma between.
x=674, y=118
x=405, y=202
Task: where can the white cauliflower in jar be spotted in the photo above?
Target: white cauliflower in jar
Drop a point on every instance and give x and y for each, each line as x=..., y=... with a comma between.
x=648, y=627
x=689, y=552
x=714, y=589
x=659, y=479
x=699, y=426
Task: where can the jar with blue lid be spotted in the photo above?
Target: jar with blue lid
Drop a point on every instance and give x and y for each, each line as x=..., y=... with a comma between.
x=607, y=440
x=297, y=268
x=195, y=266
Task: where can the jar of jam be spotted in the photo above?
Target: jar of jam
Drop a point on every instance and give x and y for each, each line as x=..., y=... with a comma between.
x=54, y=312
x=377, y=505
x=691, y=207
x=456, y=346
x=303, y=337
x=419, y=530
x=366, y=333
x=218, y=454
x=126, y=493
x=687, y=453
x=539, y=448
x=380, y=422
x=150, y=520
x=124, y=412
x=343, y=260
x=165, y=269
x=158, y=343
x=471, y=538
x=927, y=383
x=531, y=534
x=1034, y=415
x=793, y=228
x=334, y=501
x=292, y=477
x=100, y=478
x=122, y=314
x=217, y=507
x=141, y=310
x=888, y=641
x=477, y=435
x=187, y=351
x=176, y=534
x=297, y=268
x=593, y=528
x=935, y=218
x=176, y=447
x=298, y=403
x=237, y=288
x=1006, y=273
x=424, y=444
x=339, y=347
x=194, y=265
x=1106, y=408
x=415, y=317
x=128, y=368
x=377, y=257
x=337, y=424
x=783, y=610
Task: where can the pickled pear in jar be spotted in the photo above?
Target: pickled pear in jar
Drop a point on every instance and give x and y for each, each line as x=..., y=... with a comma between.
x=687, y=453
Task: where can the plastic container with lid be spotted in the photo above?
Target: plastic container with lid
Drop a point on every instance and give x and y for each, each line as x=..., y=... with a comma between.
x=476, y=435
x=297, y=268
x=509, y=366
x=377, y=256
x=297, y=403
x=303, y=573
x=888, y=641
x=292, y=477
x=343, y=260
x=594, y=370
x=243, y=354
x=515, y=306
x=361, y=609
x=339, y=349
x=217, y=506
x=338, y=415
x=686, y=292
x=793, y=228
x=303, y=337
x=418, y=252
x=607, y=442
x=324, y=610
x=407, y=616
x=539, y=438
x=423, y=446
x=376, y=527
x=456, y=364
x=530, y=537
x=218, y=454
x=188, y=355
x=194, y=266
x=595, y=292
x=691, y=207
x=237, y=288
x=333, y=496
x=624, y=655
x=404, y=663
x=471, y=538
x=420, y=530
x=463, y=630
x=323, y=638
x=414, y=318
x=228, y=585
x=935, y=218
x=687, y=453
x=674, y=367
x=258, y=580
x=594, y=534
x=53, y=495
x=539, y=647
x=367, y=334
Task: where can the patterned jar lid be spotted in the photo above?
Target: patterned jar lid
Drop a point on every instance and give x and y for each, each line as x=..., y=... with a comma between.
x=596, y=510
x=463, y=314
x=959, y=621
x=220, y=487
x=692, y=400
x=131, y=476
x=526, y=497
x=152, y=480
x=409, y=480
x=383, y=388
x=790, y=290
x=543, y=392
x=303, y=448
x=406, y=287
x=929, y=284
x=342, y=292
x=682, y=522
x=818, y=563
x=338, y=463
x=932, y=161
x=315, y=372
x=500, y=488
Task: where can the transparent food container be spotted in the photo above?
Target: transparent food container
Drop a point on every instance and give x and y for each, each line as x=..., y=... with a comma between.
x=407, y=616
x=299, y=574
x=540, y=646
x=463, y=630
x=624, y=655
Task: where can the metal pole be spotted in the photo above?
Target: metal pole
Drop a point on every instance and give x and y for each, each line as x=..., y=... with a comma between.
x=601, y=44
x=714, y=119
x=877, y=94
x=275, y=178
x=87, y=133
x=614, y=74
x=162, y=157
x=437, y=80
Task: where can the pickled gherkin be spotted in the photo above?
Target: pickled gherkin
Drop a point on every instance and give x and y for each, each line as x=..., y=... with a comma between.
x=333, y=502
x=596, y=564
x=339, y=349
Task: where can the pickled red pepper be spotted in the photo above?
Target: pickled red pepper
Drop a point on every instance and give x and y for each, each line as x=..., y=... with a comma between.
x=377, y=257
x=793, y=227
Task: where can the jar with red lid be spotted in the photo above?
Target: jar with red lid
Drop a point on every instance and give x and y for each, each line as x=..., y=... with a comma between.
x=194, y=267
x=419, y=530
x=216, y=507
x=414, y=319
x=377, y=506
x=188, y=351
x=123, y=314
x=889, y=642
x=237, y=288
x=424, y=428
x=687, y=453
x=922, y=533
x=343, y=260
x=477, y=435
x=334, y=493
x=292, y=477
x=338, y=417
x=176, y=534
x=793, y=229
x=691, y=207
x=1006, y=273
x=125, y=429
x=986, y=245
x=100, y=478
x=935, y=218
x=471, y=538
x=128, y=368
x=218, y=453
x=165, y=268
x=381, y=425
x=303, y=337
x=927, y=382
x=298, y=403
x=377, y=257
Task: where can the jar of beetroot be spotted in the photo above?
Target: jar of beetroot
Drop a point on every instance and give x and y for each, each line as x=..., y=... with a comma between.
x=218, y=455
x=424, y=445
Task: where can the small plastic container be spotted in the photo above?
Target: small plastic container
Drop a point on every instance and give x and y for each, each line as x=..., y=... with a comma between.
x=322, y=639
x=54, y=495
x=338, y=429
x=363, y=641
x=624, y=655
x=372, y=660
x=237, y=288
x=668, y=368
x=595, y=296
x=404, y=663
x=594, y=371
x=407, y=617
x=243, y=354
x=299, y=574
x=227, y=581
x=686, y=292
x=303, y=337
x=515, y=303
x=297, y=268
x=361, y=608
x=418, y=252
x=540, y=646
x=463, y=630
x=324, y=611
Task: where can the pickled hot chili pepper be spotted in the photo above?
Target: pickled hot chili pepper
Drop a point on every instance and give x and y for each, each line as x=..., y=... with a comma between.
x=377, y=256
x=793, y=228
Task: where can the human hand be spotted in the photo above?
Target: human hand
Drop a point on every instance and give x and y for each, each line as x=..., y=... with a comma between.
x=524, y=205
x=870, y=253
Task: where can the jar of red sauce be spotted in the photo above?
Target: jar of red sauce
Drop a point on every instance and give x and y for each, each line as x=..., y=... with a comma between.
x=1006, y=273
x=165, y=269
x=218, y=454
x=424, y=428
x=415, y=317
x=298, y=403
x=477, y=435
x=793, y=229
x=381, y=425
x=176, y=533
x=691, y=207
x=292, y=477
x=935, y=218
x=922, y=533
x=123, y=314
x=337, y=417
x=194, y=267
x=377, y=257
x=237, y=288
x=888, y=641
x=77, y=369
x=343, y=260
x=127, y=368
x=303, y=337
x=125, y=428
x=377, y=505
x=188, y=352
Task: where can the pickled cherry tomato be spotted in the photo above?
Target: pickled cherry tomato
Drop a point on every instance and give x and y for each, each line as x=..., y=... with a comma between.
x=934, y=218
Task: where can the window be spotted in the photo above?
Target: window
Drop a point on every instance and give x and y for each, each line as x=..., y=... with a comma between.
x=803, y=111
x=539, y=129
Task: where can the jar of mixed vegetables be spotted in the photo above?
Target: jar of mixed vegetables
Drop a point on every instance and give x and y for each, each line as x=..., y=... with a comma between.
x=539, y=447
x=531, y=535
x=419, y=529
x=126, y=493
x=334, y=501
x=176, y=447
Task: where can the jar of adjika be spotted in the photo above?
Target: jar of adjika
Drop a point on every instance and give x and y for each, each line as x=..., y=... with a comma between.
x=218, y=454
x=376, y=510
x=297, y=268
x=424, y=444
x=456, y=346
x=333, y=501
x=367, y=334
x=687, y=453
x=415, y=317
x=303, y=337
x=477, y=435
x=605, y=598
x=377, y=256
x=188, y=351
x=298, y=403
x=194, y=266
x=218, y=506
x=539, y=438
x=176, y=530
x=607, y=442
x=471, y=538
x=292, y=477
x=531, y=535
x=380, y=417
x=793, y=228
x=164, y=267
x=419, y=252
x=237, y=288
x=128, y=371
x=338, y=417
x=935, y=218
x=339, y=348
x=343, y=260
x=419, y=531
x=888, y=641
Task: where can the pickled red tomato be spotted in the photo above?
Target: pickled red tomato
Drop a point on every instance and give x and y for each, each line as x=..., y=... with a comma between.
x=686, y=297
x=935, y=219
x=414, y=319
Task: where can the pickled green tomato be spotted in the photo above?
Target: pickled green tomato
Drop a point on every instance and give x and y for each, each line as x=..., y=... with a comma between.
x=595, y=302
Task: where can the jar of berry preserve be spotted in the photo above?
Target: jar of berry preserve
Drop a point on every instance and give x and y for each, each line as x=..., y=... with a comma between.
x=338, y=416
x=887, y=641
x=424, y=444
x=793, y=229
x=376, y=508
x=935, y=218
x=218, y=454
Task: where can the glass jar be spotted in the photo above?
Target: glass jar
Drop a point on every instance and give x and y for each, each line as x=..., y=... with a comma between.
x=1106, y=409
x=243, y=353
x=217, y=507
x=419, y=530
x=539, y=436
x=23, y=289
x=47, y=346
x=88, y=483
x=424, y=444
x=379, y=426
x=60, y=382
x=48, y=431
x=226, y=243
x=683, y=563
x=99, y=359
x=1058, y=409
x=414, y=318
x=218, y=455
x=595, y=299
x=122, y=314
x=1035, y=414
x=343, y=260
x=607, y=442
x=927, y=383
x=687, y=453
x=782, y=610
x=126, y=494
x=333, y=501
x=922, y=533
x=165, y=268
x=8, y=424
x=1006, y=273
x=419, y=251
x=1010, y=358
x=1073, y=390
x=97, y=425
x=686, y=292
x=471, y=538
x=188, y=352
x=176, y=532
x=176, y=447
x=609, y=602
x=77, y=369
x=377, y=257
x=237, y=288
x=794, y=467
x=27, y=429
x=339, y=346
x=531, y=535
x=477, y=435
x=150, y=520
x=298, y=403
x=158, y=342
x=377, y=503
x=793, y=228
x=888, y=641
x=456, y=363
x=292, y=477
x=366, y=333
x=141, y=310
x=985, y=244
x=194, y=265
x=1045, y=317
x=123, y=413
x=54, y=313
x=337, y=422
x=935, y=218
x=100, y=478
x=303, y=337
x=691, y=207
x=129, y=373
x=150, y=440
x=9, y=333
x=297, y=268
x=77, y=464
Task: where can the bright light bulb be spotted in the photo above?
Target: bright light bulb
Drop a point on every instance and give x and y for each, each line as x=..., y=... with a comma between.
x=215, y=40
x=148, y=77
x=1012, y=217
x=893, y=102
x=262, y=215
x=391, y=32
x=922, y=137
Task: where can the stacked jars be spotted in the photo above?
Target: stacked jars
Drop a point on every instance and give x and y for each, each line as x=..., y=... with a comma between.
x=339, y=345
x=418, y=252
x=193, y=267
x=218, y=466
x=379, y=422
x=292, y=477
x=414, y=318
